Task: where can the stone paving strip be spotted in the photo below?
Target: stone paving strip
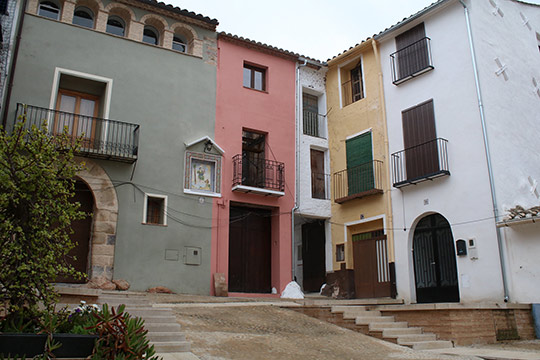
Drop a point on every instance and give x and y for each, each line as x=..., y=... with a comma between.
x=490, y=354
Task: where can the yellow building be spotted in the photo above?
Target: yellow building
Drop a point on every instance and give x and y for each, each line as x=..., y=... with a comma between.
x=361, y=208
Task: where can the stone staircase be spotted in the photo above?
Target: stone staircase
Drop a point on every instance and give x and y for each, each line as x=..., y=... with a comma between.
x=163, y=330
x=373, y=323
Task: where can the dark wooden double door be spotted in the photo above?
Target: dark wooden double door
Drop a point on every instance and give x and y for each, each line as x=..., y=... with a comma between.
x=250, y=256
x=435, y=261
x=313, y=256
x=371, y=268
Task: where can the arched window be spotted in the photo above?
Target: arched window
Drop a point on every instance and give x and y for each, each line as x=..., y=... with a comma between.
x=179, y=43
x=49, y=10
x=150, y=35
x=116, y=26
x=83, y=16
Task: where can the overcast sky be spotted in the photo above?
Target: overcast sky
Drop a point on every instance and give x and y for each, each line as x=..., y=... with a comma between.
x=320, y=29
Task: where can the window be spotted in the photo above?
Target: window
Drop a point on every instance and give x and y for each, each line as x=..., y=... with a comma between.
x=254, y=77
x=340, y=252
x=413, y=56
x=253, y=159
x=78, y=113
x=310, y=106
x=155, y=209
x=318, y=183
x=83, y=16
x=179, y=44
x=352, y=83
x=49, y=10
x=116, y=26
x=150, y=35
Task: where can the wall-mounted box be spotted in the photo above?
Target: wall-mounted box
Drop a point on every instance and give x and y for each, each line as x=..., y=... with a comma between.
x=192, y=255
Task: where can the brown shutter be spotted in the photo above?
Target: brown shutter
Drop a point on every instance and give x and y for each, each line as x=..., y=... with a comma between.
x=317, y=174
x=412, y=53
x=419, y=136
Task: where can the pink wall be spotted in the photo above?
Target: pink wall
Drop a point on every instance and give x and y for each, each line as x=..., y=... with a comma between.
x=272, y=112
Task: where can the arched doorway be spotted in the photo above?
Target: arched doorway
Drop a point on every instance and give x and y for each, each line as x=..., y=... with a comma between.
x=434, y=259
x=82, y=233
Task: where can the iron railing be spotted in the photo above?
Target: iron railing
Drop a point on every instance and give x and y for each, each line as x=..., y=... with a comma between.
x=99, y=138
x=314, y=124
x=411, y=61
x=359, y=181
x=351, y=91
x=320, y=186
x=263, y=174
x=421, y=162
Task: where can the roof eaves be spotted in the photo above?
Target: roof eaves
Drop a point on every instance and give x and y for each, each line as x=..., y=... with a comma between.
x=260, y=46
x=177, y=10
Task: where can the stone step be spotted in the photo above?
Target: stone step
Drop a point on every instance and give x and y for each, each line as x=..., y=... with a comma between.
x=172, y=346
x=368, y=313
x=166, y=336
x=341, y=308
x=414, y=338
x=159, y=319
x=373, y=319
x=142, y=312
x=381, y=326
x=170, y=327
x=428, y=345
x=394, y=333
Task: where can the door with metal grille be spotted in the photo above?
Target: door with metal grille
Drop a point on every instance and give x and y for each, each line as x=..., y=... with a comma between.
x=435, y=261
x=371, y=271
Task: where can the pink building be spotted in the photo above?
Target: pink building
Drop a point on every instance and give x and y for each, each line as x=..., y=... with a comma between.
x=255, y=127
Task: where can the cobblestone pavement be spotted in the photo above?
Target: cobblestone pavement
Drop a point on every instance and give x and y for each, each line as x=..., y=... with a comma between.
x=270, y=332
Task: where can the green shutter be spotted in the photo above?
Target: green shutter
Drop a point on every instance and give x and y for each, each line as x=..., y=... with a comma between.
x=359, y=163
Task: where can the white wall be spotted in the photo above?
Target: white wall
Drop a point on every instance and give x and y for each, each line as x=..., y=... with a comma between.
x=463, y=198
x=512, y=108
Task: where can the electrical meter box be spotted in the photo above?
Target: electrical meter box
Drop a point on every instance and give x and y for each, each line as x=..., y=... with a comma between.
x=192, y=255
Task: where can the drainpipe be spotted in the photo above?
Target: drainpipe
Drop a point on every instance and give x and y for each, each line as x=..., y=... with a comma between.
x=488, y=155
x=297, y=164
x=13, y=63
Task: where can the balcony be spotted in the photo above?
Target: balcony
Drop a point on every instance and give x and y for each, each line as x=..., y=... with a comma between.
x=419, y=163
x=411, y=61
x=263, y=177
x=100, y=138
x=314, y=124
x=358, y=182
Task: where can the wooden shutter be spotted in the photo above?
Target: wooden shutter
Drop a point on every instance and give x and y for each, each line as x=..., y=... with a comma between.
x=412, y=53
x=317, y=174
x=359, y=163
x=421, y=155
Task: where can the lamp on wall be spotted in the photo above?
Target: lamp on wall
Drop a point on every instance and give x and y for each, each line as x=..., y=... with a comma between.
x=208, y=146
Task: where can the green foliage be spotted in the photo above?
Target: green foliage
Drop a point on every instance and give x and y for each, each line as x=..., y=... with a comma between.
x=121, y=337
x=37, y=173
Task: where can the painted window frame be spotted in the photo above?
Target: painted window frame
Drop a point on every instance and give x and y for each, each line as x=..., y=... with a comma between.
x=192, y=158
x=345, y=86
x=145, y=209
x=253, y=68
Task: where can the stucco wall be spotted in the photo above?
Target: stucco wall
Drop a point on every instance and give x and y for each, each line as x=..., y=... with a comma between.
x=463, y=198
x=273, y=113
x=512, y=106
x=343, y=122
x=171, y=96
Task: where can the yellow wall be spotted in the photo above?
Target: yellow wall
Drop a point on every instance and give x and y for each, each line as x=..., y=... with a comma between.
x=361, y=115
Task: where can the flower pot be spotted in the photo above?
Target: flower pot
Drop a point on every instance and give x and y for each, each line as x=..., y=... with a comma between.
x=73, y=345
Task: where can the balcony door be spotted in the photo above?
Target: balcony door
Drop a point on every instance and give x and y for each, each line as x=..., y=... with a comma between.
x=253, y=164
x=359, y=163
x=77, y=114
x=412, y=50
x=419, y=137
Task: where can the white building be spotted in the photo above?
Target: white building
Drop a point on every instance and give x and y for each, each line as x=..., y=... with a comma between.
x=456, y=74
x=312, y=242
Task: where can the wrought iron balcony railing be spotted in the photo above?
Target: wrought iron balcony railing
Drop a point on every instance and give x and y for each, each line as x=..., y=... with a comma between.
x=314, y=124
x=358, y=182
x=411, y=61
x=320, y=186
x=420, y=163
x=262, y=174
x=100, y=138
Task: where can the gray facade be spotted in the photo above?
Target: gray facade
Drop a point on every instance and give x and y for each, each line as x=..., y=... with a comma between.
x=171, y=96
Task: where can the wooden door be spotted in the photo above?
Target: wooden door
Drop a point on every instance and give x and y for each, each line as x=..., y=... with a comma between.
x=318, y=186
x=250, y=250
x=419, y=137
x=82, y=230
x=310, y=105
x=77, y=113
x=359, y=164
x=412, y=51
x=371, y=270
x=253, y=159
x=435, y=261
x=313, y=256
